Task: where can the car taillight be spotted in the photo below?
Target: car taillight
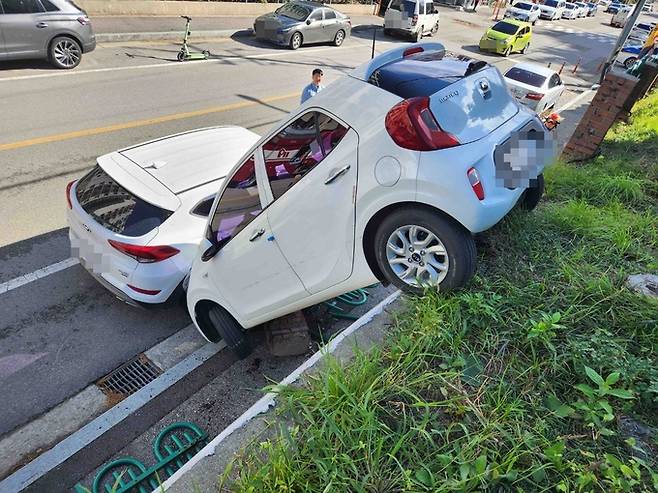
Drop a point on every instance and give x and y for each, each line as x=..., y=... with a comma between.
x=145, y=254
x=411, y=125
x=151, y=292
x=68, y=194
x=84, y=20
x=412, y=51
x=535, y=96
x=474, y=180
x=414, y=20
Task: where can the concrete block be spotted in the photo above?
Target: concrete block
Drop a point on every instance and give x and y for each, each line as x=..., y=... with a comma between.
x=288, y=336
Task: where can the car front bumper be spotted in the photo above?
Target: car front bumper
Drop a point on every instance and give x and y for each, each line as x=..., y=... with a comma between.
x=493, y=45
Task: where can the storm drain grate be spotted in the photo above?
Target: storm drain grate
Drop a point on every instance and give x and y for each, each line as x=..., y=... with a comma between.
x=129, y=377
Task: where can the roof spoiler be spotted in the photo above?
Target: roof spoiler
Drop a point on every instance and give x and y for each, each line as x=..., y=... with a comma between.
x=363, y=72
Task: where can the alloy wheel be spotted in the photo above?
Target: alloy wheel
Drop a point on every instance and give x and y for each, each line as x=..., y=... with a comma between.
x=67, y=53
x=417, y=256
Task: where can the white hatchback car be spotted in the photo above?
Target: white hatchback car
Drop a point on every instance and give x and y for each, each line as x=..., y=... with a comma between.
x=524, y=11
x=571, y=11
x=382, y=176
x=536, y=86
x=137, y=218
x=552, y=9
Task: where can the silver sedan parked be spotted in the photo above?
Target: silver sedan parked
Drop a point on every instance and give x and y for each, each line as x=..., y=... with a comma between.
x=303, y=22
x=57, y=30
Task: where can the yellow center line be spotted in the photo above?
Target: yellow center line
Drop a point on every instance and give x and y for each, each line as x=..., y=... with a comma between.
x=140, y=123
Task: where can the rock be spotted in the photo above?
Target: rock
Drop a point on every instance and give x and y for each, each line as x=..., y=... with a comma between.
x=646, y=284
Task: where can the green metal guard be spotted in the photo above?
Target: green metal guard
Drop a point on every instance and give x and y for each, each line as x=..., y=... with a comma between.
x=351, y=299
x=172, y=448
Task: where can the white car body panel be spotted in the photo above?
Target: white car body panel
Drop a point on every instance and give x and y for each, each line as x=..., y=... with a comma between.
x=182, y=230
x=570, y=13
x=519, y=89
x=400, y=21
x=524, y=15
x=552, y=13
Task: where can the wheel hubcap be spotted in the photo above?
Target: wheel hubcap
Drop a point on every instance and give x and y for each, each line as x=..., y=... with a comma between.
x=296, y=41
x=417, y=256
x=67, y=53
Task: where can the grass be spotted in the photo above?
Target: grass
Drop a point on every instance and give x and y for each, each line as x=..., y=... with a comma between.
x=523, y=381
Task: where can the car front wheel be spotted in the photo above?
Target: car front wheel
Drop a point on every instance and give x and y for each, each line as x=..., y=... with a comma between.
x=628, y=63
x=418, y=249
x=65, y=52
x=295, y=41
x=533, y=194
x=230, y=331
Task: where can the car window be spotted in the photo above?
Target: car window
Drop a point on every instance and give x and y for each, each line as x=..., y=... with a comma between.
x=21, y=6
x=555, y=81
x=429, y=6
x=114, y=207
x=525, y=76
x=203, y=207
x=299, y=148
x=239, y=204
x=49, y=6
x=293, y=11
x=505, y=27
x=523, y=6
x=551, y=3
x=404, y=6
x=316, y=15
x=329, y=14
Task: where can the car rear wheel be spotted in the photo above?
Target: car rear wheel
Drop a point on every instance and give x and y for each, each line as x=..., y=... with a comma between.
x=419, y=34
x=65, y=52
x=339, y=38
x=507, y=52
x=628, y=63
x=533, y=194
x=296, y=41
x=418, y=249
x=230, y=331
x=435, y=29
x=525, y=48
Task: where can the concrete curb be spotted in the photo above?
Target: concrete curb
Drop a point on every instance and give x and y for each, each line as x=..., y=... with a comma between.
x=197, y=35
x=210, y=462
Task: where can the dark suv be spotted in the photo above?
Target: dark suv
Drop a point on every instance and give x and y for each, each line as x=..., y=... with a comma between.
x=57, y=30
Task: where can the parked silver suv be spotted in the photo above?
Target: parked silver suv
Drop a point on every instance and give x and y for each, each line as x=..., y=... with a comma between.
x=57, y=30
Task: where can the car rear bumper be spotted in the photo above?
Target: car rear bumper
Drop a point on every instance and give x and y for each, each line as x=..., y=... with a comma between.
x=90, y=45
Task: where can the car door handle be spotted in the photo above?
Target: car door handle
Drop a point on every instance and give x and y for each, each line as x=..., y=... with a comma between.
x=257, y=234
x=337, y=174
x=41, y=25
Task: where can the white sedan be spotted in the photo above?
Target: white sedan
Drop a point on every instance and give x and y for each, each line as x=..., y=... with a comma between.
x=570, y=11
x=535, y=86
x=524, y=11
x=582, y=9
x=137, y=218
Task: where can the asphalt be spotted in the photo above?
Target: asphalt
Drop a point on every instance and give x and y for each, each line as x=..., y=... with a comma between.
x=63, y=331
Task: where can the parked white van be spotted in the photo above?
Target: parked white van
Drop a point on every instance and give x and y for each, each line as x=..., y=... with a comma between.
x=415, y=18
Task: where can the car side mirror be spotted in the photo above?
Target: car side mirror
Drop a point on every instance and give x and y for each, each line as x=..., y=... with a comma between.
x=308, y=22
x=214, y=249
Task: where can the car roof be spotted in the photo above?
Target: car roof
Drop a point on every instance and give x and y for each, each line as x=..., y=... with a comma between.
x=185, y=161
x=512, y=21
x=535, y=68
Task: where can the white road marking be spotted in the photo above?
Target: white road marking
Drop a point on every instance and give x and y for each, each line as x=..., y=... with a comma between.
x=162, y=65
x=37, y=274
x=575, y=100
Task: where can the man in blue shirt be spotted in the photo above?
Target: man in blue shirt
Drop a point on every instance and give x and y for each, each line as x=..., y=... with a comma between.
x=314, y=87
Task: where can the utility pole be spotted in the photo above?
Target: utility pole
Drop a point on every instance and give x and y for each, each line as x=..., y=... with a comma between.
x=630, y=22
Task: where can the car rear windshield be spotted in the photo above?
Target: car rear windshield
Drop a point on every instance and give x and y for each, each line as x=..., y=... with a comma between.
x=551, y=3
x=424, y=74
x=115, y=208
x=294, y=11
x=525, y=77
x=404, y=6
x=506, y=28
x=571, y=6
x=524, y=6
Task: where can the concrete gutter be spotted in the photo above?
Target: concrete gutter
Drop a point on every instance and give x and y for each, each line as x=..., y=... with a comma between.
x=202, y=471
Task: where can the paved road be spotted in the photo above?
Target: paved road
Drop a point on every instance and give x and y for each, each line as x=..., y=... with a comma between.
x=61, y=332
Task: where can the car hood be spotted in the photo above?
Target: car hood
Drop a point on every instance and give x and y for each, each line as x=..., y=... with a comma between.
x=184, y=161
x=514, y=10
x=278, y=20
x=497, y=35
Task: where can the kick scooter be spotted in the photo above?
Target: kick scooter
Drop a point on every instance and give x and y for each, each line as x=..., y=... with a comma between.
x=185, y=54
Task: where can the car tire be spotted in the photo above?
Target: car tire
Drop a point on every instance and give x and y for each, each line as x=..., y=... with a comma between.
x=64, y=53
x=456, y=242
x=532, y=195
x=628, y=63
x=507, y=52
x=296, y=41
x=230, y=331
x=419, y=34
x=339, y=38
x=525, y=48
x=435, y=29
x=388, y=32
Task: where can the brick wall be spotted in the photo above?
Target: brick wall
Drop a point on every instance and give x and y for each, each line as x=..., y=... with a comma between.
x=606, y=107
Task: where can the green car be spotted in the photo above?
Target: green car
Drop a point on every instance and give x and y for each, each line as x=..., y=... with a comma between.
x=507, y=36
